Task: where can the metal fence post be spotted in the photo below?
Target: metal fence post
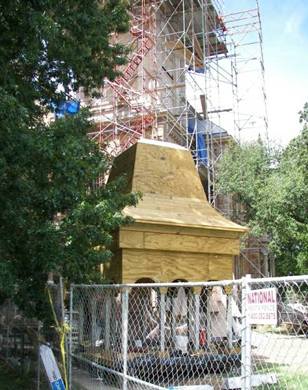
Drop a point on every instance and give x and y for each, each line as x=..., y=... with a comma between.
x=70, y=342
x=38, y=378
x=107, y=320
x=163, y=292
x=246, y=338
x=124, y=334
x=196, y=297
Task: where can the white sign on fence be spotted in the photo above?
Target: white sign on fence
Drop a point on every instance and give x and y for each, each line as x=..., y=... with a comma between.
x=262, y=306
x=51, y=368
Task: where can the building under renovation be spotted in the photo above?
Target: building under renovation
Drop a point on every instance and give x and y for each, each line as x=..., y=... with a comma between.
x=194, y=77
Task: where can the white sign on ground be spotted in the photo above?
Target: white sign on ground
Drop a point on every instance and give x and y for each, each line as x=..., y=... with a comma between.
x=262, y=306
x=51, y=368
x=256, y=380
x=198, y=387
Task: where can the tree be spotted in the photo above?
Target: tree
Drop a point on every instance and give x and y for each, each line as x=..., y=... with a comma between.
x=45, y=44
x=243, y=170
x=273, y=188
x=51, y=218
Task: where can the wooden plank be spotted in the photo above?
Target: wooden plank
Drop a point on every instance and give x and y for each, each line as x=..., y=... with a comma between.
x=180, y=49
x=198, y=48
x=203, y=105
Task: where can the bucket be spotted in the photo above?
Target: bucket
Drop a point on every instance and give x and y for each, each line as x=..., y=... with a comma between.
x=181, y=343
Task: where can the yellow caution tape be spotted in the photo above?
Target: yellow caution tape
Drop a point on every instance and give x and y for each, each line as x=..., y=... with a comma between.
x=62, y=330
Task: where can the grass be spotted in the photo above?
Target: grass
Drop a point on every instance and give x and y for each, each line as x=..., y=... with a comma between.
x=11, y=380
x=291, y=381
x=287, y=379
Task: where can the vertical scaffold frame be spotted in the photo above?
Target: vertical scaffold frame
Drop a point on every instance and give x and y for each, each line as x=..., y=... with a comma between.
x=190, y=79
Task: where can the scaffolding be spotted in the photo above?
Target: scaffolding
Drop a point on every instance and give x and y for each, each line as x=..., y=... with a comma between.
x=190, y=79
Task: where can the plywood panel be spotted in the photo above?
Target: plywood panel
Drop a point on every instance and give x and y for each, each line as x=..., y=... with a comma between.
x=163, y=266
x=185, y=243
x=220, y=267
x=186, y=212
x=175, y=231
x=166, y=171
x=178, y=242
x=131, y=239
x=139, y=264
x=171, y=187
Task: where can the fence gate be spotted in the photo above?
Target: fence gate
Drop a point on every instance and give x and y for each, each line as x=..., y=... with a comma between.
x=237, y=334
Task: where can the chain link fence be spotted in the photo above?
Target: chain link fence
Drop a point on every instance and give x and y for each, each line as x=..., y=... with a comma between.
x=237, y=334
x=19, y=344
x=155, y=336
x=18, y=337
x=21, y=337
x=190, y=336
x=279, y=352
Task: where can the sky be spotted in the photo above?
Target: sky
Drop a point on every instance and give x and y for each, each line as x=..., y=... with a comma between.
x=285, y=38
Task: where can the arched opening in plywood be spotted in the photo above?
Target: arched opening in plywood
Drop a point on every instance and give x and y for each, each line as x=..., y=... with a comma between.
x=143, y=316
x=144, y=280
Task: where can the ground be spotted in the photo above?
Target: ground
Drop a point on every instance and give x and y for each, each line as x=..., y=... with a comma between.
x=283, y=354
x=287, y=350
x=10, y=381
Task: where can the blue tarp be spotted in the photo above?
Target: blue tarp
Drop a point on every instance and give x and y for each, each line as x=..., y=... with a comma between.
x=202, y=127
x=70, y=107
x=201, y=147
x=196, y=70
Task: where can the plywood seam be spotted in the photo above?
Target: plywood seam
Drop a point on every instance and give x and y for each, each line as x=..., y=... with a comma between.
x=201, y=254
x=177, y=234
x=182, y=230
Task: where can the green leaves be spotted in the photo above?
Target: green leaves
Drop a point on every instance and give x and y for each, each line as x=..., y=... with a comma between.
x=51, y=218
x=243, y=172
x=47, y=43
x=273, y=188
